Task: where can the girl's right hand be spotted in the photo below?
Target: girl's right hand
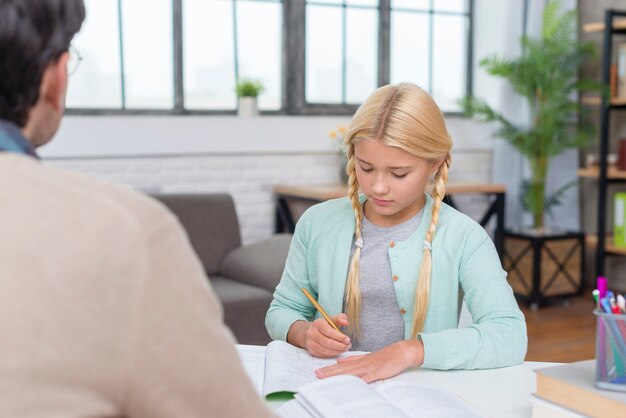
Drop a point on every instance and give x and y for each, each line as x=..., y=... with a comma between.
x=322, y=340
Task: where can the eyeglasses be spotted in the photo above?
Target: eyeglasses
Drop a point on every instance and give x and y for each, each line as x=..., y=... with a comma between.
x=74, y=60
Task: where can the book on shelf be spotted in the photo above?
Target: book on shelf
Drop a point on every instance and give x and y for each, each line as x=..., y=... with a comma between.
x=350, y=397
x=621, y=70
x=619, y=219
x=613, y=80
x=280, y=369
x=572, y=386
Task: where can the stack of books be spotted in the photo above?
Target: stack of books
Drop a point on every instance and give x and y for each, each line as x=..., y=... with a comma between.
x=569, y=390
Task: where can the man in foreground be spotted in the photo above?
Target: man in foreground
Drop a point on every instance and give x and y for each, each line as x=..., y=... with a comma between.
x=104, y=308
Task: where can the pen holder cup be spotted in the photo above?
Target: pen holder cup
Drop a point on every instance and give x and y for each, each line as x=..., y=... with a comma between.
x=610, y=351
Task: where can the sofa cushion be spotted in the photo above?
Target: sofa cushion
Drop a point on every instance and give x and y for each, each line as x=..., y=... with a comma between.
x=245, y=307
x=211, y=223
x=259, y=264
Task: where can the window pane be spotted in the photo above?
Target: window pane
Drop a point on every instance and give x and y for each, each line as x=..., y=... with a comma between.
x=208, y=46
x=369, y=3
x=411, y=4
x=409, y=48
x=259, y=34
x=323, y=54
x=449, y=60
x=361, y=53
x=148, y=53
x=459, y=6
x=325, y=1
x=97, y=82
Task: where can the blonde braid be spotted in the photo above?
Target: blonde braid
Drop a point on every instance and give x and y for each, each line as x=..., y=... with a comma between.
x=353, y=291
x=422, y=291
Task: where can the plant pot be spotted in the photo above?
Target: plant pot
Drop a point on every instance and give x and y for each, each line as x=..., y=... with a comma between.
x=544, y=264
x=248, y=107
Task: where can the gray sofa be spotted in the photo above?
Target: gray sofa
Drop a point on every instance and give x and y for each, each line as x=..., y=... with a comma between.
x=244, y=277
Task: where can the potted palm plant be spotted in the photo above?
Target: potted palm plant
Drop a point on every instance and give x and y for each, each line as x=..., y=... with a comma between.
x=247, y=92
x=546, y=74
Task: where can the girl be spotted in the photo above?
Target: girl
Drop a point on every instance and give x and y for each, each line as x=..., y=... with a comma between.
x=396, y=257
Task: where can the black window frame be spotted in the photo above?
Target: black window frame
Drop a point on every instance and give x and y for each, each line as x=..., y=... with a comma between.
x=293, y=68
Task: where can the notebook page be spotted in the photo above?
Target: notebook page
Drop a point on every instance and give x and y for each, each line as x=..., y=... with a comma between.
x=294, y=409
x=253, y=361
x=289, y=367
x=422, y=401
x=346, y=397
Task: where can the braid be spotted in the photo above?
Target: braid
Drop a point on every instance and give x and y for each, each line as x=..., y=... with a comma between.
x=422, y=291
x=439, y=191
x=353, y=292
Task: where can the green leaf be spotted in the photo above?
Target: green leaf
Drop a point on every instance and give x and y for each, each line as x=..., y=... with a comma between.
x=555, y=198
x=249, y=88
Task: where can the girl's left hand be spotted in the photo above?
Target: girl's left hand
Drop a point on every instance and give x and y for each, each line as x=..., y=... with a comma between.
x=382, y=364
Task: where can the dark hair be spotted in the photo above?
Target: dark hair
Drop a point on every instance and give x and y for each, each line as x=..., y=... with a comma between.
x=33, y=33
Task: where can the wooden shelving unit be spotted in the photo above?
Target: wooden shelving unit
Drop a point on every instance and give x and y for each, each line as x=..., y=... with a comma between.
x=594, y=172
x=592, y=241
x=618, y=25
x=605, y=174
x=597, y=101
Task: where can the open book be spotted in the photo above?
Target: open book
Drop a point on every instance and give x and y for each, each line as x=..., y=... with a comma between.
x=350, y=397
x=281, y=367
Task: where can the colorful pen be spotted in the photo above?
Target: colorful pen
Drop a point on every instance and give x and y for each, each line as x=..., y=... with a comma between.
x=602, y=286
x=621, y=303
x=596, y=297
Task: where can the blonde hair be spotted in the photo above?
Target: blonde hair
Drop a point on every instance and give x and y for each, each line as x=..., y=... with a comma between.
x=406, y=117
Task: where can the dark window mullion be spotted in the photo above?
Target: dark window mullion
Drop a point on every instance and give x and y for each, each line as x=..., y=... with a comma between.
x=121, y=40
x=179, y=89
x=384, y=42
x=431, y=30
x=470, y=49
x=294, y=65
x=235, y=43
x=344, y=44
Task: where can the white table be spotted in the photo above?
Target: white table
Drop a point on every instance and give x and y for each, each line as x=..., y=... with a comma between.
x=496, y=392
x=503, y=392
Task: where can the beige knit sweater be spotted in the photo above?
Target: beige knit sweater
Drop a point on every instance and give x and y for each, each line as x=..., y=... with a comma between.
x=105, y=310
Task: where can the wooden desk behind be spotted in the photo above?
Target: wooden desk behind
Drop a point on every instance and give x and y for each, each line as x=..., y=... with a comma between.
x=312, y=194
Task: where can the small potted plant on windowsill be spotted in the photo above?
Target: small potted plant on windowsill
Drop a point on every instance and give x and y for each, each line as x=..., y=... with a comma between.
x=247, y=92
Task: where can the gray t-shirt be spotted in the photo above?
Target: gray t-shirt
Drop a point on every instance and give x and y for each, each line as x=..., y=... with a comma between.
x=381, y=322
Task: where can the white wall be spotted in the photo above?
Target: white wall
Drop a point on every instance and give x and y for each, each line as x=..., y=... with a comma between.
x=133, y=135
x=244, y=157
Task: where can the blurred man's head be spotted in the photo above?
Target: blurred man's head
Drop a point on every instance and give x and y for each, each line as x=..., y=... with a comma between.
x=35, y=36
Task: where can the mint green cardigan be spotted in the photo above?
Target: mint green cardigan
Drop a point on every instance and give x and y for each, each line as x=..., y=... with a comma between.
x=463, y=256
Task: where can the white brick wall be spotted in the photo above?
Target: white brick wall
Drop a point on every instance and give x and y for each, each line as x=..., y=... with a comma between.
x=250, y=178
x=245, y=157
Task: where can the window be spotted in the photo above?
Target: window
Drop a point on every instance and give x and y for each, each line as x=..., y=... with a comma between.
x=225, y=41
x=97, y=83
x=312, y=56
x=341, y=50
x=127, y=59
x=429, y=46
